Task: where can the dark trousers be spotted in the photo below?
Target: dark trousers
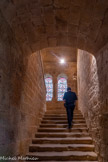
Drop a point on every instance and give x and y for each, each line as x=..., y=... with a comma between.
x=69, y=110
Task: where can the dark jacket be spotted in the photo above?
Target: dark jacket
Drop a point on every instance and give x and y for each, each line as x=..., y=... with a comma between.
x=70, y=97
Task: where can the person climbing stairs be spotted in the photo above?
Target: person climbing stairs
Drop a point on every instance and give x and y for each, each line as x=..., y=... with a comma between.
x=54, y=142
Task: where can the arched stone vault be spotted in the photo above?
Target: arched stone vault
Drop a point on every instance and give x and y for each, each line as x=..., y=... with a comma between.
x=39, y=24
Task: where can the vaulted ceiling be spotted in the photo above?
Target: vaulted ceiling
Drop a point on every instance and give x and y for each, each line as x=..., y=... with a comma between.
x=57, y=53
x=39, y=24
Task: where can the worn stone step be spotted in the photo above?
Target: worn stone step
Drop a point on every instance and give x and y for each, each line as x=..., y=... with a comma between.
x=62, y=121
x=60, y=108
x=73, y=140
x=60, y=112
x=61, y=135
x=61, y=115
x=64, y=155
x=71, y=161
x=67, y=161
x=60, y=147
x=62, y=130
x=61, y=118
x=62, y=126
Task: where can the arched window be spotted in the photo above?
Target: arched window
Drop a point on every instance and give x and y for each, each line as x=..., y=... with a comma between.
x=49, y=87
x=62, y=87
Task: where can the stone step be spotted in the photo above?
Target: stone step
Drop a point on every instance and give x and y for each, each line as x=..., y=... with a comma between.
x=64, y=155
x=61, y=135
x=73, y=140
x=61, y=118
x=71, y=161
x=62, y=130
x=60, y=112
x=61, y=109
x=67, y=161
x=62, y=115
x=62, y=121
x=60, y=147
x=62, y=126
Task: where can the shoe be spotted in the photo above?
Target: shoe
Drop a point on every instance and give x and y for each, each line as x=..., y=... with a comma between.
x=73, y=122
x=69, y=127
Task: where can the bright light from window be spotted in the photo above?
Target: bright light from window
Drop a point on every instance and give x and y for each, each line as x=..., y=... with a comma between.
x=62, y=61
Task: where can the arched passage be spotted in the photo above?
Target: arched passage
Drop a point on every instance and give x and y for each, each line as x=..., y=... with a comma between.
x=23, y=31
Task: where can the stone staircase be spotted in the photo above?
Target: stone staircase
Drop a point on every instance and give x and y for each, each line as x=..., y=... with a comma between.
x=54, y=142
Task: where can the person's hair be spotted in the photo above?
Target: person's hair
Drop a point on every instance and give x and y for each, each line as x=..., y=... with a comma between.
x=68, y=89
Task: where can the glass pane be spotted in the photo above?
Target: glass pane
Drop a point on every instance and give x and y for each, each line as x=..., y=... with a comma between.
x=62, y=87
x=49, y=88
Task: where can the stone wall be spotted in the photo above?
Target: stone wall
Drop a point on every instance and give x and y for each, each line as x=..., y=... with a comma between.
x=93, y=97
x=33, y=101
x=102, y=64
x=22, y=94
